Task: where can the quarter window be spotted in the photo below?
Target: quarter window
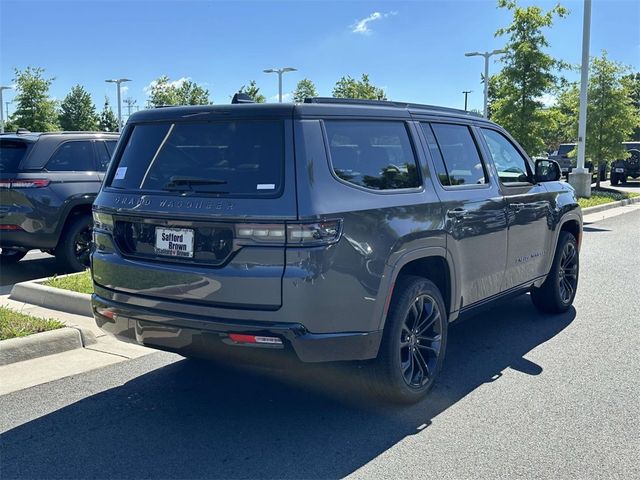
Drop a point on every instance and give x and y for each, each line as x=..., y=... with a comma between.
x=511, y=165
x=72, y=157
x=455, y=154
x=373, y=154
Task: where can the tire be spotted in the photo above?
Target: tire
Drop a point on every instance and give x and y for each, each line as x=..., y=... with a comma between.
x=558, y=291
x=406, y=370
x=614, y=179
x=75, y=244
x=623, y=180
x=9, y=256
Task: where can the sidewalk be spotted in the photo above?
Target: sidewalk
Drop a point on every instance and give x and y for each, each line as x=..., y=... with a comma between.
x=106, y=351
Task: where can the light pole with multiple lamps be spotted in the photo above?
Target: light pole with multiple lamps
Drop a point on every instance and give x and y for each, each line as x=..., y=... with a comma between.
x=119, y=81
x=486, y=56
x=280, y=71
x=2, y=88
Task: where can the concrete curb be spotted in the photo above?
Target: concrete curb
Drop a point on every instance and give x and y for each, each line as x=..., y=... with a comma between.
x=35, y=293
x=41, y=344
x=608, y=206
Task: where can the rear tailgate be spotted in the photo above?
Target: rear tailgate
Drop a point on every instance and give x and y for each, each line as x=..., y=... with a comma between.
x=195, y=212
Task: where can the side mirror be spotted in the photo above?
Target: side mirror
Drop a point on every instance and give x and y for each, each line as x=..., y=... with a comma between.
x=547, y=170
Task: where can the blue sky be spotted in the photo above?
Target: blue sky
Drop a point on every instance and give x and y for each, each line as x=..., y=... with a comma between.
x=415, y=50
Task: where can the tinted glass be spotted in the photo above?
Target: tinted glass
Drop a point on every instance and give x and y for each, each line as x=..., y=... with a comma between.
x=111, y=146
x=564, y=150
x=72, y=157
x=103, y=155
x=511, y=166
x=441, y=170
x=231, y=158
x=460, y=154
x=11, y=154
x=376, y=155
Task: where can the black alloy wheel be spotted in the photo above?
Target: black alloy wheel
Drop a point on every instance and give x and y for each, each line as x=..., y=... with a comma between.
x=420, y=341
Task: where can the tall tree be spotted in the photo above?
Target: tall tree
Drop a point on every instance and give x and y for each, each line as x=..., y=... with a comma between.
x=305, y=89
x=632, y=83
x=611, y=116
x=559, y=123
x=35, y=110
x=77, y=111
x=165, y=92
x=348, y=87
x=253, y=91
x=527, y=75
x=108, y=121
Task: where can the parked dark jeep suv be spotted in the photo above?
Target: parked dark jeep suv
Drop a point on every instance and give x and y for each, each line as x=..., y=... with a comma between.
x=48, y=182
x=333, y=229
x=621, y=170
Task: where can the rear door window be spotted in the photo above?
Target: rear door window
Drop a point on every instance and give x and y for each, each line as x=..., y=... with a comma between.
x=74, y=156
x=111, y=146
x=372, y=154
x=456, y=155
x=11, y=154
x=242, y=158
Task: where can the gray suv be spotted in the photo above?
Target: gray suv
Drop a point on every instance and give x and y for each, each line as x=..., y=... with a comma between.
x=334, y=230
x=48, y=182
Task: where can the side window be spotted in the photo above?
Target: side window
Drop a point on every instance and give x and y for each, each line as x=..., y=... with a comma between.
x=511, y=166
x=103, y=155
x=111, y=146
x=372, y=154
x=72, y=157
x=457, y=153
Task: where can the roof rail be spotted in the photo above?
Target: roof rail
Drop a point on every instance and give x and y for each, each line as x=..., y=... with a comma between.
x=387, y=103
x=79, y=132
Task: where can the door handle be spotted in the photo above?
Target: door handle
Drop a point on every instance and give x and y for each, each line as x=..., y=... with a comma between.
x=456, y=213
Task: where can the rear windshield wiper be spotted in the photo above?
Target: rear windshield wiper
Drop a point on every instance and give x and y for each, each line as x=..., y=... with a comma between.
x=187, y=184
x=189, y=181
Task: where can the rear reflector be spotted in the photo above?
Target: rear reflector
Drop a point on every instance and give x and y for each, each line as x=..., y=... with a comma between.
x=241, y=338
x=12, y=228
x=105, y=312
x=24, y=183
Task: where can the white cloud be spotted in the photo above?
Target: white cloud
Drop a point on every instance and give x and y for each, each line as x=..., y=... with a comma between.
x=124, y=89
x=362, y=26
x=548, y=100
x=286, y=97
x=176, y=83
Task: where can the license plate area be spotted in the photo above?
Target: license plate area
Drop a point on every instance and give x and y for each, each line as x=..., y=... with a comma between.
x=174, y=242
x=619, y=170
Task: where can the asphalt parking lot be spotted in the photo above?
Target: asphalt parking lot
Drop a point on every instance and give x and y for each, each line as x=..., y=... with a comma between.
x=521, y=394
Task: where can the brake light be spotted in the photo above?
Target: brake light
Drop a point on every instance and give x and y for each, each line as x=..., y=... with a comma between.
x=293, y=234
x=309, y=234
x=24, y=183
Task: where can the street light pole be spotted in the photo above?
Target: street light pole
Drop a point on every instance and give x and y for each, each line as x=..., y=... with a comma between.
x=2, y=88
x=466, y=94
x=486, y=56
x=580, y=178
x=119, y=81
x=280, y=71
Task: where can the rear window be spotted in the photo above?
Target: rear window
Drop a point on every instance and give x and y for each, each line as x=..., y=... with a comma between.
x=238, y=158
x=11, y=154
x=372, y=154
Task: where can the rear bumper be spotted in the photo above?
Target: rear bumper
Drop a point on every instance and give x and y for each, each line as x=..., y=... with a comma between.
x=208, y=337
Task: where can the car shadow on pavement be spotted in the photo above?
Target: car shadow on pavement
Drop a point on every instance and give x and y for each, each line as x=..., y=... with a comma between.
x=190, y=419
x=29, y=269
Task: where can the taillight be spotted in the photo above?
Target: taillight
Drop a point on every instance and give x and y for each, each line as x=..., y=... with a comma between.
x=261, y=233
x=102, y=221
x=310, y=234
x=24, y=183
x=242, y=338
x=293, y=234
